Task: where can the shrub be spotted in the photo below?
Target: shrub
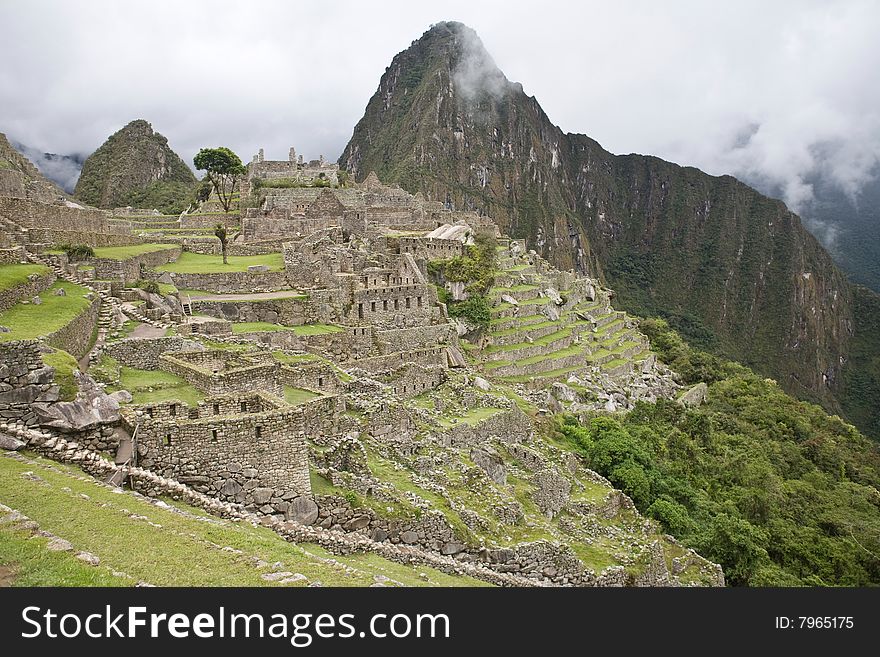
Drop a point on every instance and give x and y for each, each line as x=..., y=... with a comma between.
x=148, y=286
x=475, y=310
x=78, y=252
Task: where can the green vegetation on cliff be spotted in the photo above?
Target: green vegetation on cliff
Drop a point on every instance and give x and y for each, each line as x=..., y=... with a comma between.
x=774, y=489
x=136, y=167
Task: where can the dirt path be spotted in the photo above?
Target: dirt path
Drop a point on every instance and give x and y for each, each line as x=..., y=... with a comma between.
x=7, y=576
x=147, y=331
x=255, y=296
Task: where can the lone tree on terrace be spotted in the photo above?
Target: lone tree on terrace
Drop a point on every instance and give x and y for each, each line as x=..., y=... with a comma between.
x=224, y=169
x=220, y=234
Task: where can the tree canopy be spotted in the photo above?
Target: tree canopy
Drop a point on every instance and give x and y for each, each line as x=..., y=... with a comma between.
x=223, y=168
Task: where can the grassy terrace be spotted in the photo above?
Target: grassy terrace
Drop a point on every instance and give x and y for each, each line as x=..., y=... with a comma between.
x=64, y=365
x=196, y=263
x=184, y=550
x=257, y=327
x=15, y=275
x=125, y=252
x=27, y=321
x=294, y=396
x=148, y=386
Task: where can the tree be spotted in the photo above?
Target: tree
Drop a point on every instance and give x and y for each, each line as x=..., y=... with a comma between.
x=220, y=234
x=224, y=169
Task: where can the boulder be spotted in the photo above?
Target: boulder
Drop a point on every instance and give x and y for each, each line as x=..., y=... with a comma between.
x=409, y=537
x=489, y=460
x=255, y=269
x=262, y=495
x=121, y=396
x=303, y=510
x=59, y=292
x=10, y=443
x=649, y=364
x=506, y=298
x=452, y=548
x=553, y=294
x=456, y=290
x=695, y=395
x=564, y=393
x=92, y=407
x=482, y=384
x=36, y=301
x=551, y=312
x=358, y=522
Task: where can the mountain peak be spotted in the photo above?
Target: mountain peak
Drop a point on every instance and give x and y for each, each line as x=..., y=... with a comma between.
x=132, y=162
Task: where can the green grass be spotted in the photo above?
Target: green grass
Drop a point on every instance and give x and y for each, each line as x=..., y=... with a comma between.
x=64, y=365
x=316, y=329
x=125, y=252
x=282, y=357
x=196, y=263
x=15, y=275
x=257, y=327
x=148, y=386
x=181, y=551
x=294, y=396
x=27, y=321
x=32, y=564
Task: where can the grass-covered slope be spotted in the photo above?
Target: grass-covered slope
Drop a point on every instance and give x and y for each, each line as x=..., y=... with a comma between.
x=171, y=545
x=28, y=320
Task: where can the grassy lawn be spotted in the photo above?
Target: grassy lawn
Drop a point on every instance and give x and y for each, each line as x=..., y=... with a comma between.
x=294, y=396
x=14, y=275
x=196, y=263
x=257, y=327
x=27, y=321
x=282, y=357
x=316, y=329
x=125, y=252
x=182, y=550
x=32, y=564
x=156, y=385
x=64, y=365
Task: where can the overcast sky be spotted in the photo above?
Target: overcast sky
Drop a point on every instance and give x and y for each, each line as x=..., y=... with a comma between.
x=749, y=88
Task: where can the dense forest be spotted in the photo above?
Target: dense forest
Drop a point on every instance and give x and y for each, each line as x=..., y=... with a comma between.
x=772, y=488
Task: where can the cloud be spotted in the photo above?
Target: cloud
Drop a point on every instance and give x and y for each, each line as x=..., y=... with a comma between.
x=775, y=93
x=63, y=170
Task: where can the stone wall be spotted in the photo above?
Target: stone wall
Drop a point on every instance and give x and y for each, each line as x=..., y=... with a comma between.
x=256, y=459
x=214, y=372
x=24, y=379
x=420, y=337
x=291, y=311
x=54, y=216
x=143, y=353
x=229, y=282
x=316, y=376
x=399, y=306
x=431, y=248
x=208, y=220
x=32, y=288
x=511, y=425
x=130, y=269
x=76, y=236
x=13, y=255
x=76, y=337
x=353, y=342
x=413, y=379
x=378, y=364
